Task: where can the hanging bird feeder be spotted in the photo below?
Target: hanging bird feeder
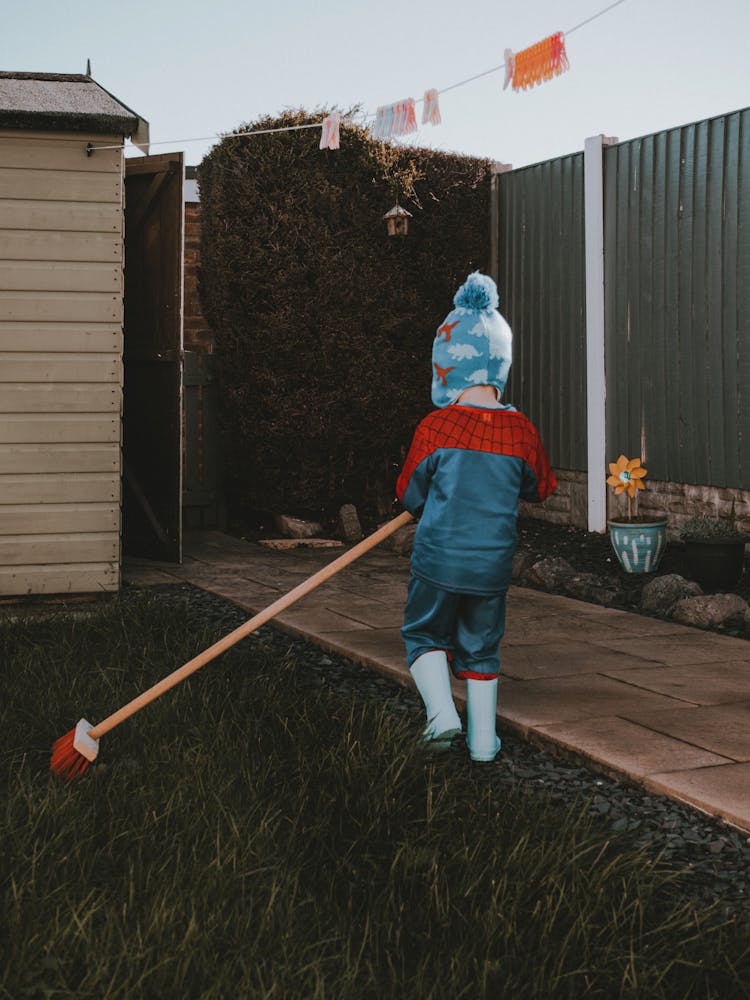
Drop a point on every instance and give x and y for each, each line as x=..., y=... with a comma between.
x=398, y=221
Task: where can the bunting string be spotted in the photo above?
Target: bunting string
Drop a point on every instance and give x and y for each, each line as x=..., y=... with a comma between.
x=535, y=64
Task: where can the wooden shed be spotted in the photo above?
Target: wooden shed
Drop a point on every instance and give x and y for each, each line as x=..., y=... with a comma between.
x=65, y=487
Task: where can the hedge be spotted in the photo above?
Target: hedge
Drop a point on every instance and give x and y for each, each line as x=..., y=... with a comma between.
x=323, y=324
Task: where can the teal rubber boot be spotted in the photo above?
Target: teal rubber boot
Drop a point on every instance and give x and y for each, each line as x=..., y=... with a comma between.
x=432, y=677
x=481, y=710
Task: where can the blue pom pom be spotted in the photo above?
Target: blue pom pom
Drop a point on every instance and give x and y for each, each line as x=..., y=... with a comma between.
x=478, y=292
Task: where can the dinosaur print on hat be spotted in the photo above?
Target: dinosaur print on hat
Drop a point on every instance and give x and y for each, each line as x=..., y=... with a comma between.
x=474, y=343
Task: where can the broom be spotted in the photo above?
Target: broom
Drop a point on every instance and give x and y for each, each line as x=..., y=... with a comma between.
x=73, y=753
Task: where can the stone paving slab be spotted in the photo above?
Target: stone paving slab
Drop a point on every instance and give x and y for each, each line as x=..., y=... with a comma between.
x=663, y=704
x=318, y=621
x=689, y=645
x=251, y=597
x=722, y=791
x=721, y=729
x=561, y=659
x=627, y=747
x=701, y=683
x=382, y=649
x=531, y=704
x=375, y=614
x=574, y=624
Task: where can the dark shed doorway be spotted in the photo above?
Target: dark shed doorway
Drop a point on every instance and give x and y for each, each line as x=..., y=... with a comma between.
x=152, y=393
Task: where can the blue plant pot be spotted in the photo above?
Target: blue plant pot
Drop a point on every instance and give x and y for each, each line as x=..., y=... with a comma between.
x=638, y=546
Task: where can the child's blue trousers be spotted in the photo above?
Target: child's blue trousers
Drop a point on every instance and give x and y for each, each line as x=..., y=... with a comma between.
x=468, y=627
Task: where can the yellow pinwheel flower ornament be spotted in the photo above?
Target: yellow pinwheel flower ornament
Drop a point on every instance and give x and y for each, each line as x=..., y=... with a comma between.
x=626, y=476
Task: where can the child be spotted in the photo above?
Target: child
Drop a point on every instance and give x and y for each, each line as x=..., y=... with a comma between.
x=469, y=462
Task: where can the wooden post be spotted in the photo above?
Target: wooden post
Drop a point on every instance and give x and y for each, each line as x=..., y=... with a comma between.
x=494, y=268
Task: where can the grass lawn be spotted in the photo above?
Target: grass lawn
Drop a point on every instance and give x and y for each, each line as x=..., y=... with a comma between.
x=257, y=834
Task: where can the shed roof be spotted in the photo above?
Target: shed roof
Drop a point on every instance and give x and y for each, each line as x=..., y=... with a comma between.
x=66, y=102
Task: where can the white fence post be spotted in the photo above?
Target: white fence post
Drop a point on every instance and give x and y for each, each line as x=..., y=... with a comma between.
x=596, y=387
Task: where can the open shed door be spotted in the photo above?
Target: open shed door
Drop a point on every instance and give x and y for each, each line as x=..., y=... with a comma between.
x=152, y=413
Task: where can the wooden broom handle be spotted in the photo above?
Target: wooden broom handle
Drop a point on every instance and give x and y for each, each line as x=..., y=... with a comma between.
x=249, y=626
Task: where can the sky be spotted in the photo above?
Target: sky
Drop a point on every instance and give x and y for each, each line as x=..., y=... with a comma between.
x=195, y=70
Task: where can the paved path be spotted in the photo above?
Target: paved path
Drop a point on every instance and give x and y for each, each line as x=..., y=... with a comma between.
x=666, y=705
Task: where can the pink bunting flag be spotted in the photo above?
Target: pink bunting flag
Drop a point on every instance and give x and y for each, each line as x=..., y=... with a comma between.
x=395, y=119
x=329, y=138
x=431, y=110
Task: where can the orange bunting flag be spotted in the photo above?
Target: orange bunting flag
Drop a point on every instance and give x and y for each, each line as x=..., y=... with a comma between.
x=539, y=62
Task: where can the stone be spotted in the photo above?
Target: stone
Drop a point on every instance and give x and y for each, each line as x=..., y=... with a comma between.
x=402, y=541
x=593, y=588
x=710, y=610
x=349, y=527
x=550, y=573
x=557, y=575
x=662, y=593
x=523, y=560
x=285, y=544
x=296, y=527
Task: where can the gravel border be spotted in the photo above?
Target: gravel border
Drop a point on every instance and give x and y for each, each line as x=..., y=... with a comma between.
x=714, y=857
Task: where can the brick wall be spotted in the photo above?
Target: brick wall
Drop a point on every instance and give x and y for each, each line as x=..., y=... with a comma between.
x=567, y=505
x=198, y=336
x=676, y=501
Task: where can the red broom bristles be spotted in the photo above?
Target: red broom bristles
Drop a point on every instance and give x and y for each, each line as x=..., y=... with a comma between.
x=66, y=761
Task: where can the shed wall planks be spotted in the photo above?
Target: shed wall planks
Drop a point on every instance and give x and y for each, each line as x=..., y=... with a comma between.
x=60, y=276
x=52, y=428
x=54, y=154
x=58, y=185
x=65, y=337
x=64, y=578
x=61, y=316
x=60, y=217
x=22, y=245
x=61, y=487
x=46, y=367
x=69, y=459
x=51, y=307
x=84, y=397
x=35, y=550
x=56, y=518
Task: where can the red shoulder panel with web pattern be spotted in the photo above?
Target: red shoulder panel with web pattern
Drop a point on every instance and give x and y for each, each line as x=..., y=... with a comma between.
x=497, y=432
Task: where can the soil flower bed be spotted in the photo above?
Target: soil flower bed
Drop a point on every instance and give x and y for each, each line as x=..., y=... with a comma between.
x=272, y=829
x=591, y=554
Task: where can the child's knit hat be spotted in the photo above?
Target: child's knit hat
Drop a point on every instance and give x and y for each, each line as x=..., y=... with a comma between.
x=473, y=345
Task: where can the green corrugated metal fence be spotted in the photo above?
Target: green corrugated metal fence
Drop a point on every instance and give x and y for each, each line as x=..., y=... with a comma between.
x=677, y=300
x=541, y=282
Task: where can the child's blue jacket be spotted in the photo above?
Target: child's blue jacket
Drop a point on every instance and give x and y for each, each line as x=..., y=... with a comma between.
x=466, y=469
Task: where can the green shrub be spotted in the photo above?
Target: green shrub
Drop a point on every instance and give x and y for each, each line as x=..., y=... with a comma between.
x=323, y=324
